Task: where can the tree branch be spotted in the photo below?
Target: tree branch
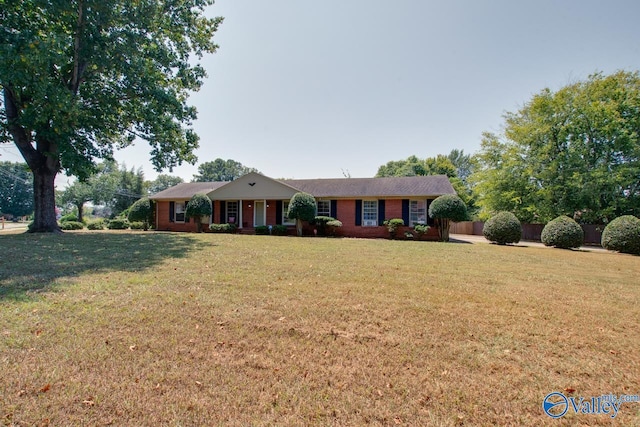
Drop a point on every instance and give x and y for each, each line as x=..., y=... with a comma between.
x=20, y=136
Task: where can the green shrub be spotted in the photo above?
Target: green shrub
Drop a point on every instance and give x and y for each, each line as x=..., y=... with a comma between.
x=141, y=211
x=199, y=206
x=71, y=225
x=262, y=230
x=138, y=225
x=622, y=235
x=97, y=224
x=447, y=208
x=279, y=230
x=223, y=228
x=69, y=217
x=321, y=224
x=333, y=227
x=393, y=225
x=302, y=207
x=503, y=228
x=562, y=232
x=420, y=230
x=118, y=224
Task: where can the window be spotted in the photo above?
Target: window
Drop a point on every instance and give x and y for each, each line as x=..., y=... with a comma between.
x=285, y=209
x=232, y=212
x=179, y=215
x=369, y=213
x=324, y=207
x=417, y=212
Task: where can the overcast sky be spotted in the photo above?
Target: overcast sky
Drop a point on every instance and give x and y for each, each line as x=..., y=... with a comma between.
x=309, y=89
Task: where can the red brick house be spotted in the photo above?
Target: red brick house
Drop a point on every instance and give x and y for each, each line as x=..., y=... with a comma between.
x=361, y=204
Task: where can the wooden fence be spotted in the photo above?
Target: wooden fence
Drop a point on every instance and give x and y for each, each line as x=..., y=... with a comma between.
x=532, y=232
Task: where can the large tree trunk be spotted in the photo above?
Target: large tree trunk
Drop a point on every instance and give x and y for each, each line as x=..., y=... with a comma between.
x=80, y=207
x=44, y=219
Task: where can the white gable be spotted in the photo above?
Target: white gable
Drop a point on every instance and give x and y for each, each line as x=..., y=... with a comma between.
x=253, y=186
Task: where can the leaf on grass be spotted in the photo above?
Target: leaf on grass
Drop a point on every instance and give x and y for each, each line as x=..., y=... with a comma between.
x=45, y=388
x=88, y=402
x=613, y=352
x=133, y=347
x=570, y=390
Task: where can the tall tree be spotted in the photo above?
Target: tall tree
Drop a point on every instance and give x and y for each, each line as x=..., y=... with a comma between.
x=162, y=182
x=130, y=187
x=221, y=170
x=16, y=191
x=572, y=152
x=98, y=188
x=81, y=77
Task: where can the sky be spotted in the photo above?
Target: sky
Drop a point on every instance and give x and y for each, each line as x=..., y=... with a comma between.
x=307, y=89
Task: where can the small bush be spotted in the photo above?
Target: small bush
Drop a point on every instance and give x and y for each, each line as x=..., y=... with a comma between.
x=622, y=235
x=96, y=225
x=447, y=208
x=141, y=211
x=279, y=230
x=223, y=228
x=393, y=225
x=321, y=224
x=70, y=217
x=420, y=230
x=562, y=232
x=503, y=228
x=262, y=230
x=118, y=224
x=333, y=227
x=71, y=225
x=138, y=225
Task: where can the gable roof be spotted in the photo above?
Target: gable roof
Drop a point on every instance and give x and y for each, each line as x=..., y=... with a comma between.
x=254, y=186
x=406, y=186
x=186, y=190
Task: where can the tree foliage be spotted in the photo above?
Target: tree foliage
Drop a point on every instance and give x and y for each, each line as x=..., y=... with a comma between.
x=221, y=170
x=130, y=186
x=573, y=152
x=198, y=206
x=16, y=189
x=162, y=182
x=142, y=211
x=97, y=188
x=447, y=208
x=622, y=235
x=457, y=166
x=302, y=207
x=80, y=78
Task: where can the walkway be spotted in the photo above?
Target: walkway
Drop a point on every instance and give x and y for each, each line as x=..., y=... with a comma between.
x=468, y=238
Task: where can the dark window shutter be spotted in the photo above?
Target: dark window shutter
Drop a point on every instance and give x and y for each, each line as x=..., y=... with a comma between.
x=334, y=209
x=430, y=220
x=278, y=212
x=172, y=210
x=405, y=211
x=381, y=217
x=223, y=208
x=358, y=212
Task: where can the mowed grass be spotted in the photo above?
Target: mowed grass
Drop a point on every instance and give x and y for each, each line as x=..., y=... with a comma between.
x=159, y=329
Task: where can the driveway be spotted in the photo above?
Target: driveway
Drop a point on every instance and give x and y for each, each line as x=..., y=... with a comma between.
x=468, y=238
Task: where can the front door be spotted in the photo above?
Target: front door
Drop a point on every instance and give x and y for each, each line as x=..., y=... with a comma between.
x=258, y=213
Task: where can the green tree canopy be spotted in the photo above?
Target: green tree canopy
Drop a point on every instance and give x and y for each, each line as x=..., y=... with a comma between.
x=447, y=208
x=162, y=182
x=80, y=78
x=572, y=152
x=199, y=206
x=130, y=186
x=302, y=207
x=97, y=188
x=142, y=210
x=16, y=189
x=221, y=170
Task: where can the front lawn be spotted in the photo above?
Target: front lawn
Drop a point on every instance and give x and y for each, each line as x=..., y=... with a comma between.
x=161, y=329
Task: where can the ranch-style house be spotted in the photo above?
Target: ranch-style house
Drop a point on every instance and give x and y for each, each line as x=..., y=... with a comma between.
x=361, y=204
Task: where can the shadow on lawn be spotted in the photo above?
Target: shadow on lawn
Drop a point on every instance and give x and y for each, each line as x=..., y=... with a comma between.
x=32, y=262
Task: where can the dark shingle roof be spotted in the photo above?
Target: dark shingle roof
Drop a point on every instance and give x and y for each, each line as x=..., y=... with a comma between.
x=433, y=185
x=186, y=190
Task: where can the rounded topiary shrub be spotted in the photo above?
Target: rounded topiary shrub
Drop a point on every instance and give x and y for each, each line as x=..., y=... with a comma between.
x=503, y=228
x=562, y=232
x=118, y=224
x=622, y=235
x=71, y=225
x=98, y=224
